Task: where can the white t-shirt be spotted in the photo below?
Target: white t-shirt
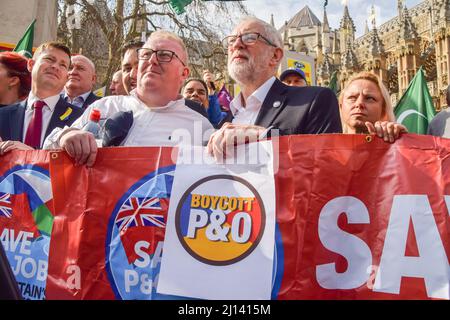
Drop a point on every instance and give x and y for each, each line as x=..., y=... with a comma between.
x=169, y=125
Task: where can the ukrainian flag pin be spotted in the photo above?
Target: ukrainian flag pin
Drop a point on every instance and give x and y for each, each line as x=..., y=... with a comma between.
x=66, y=114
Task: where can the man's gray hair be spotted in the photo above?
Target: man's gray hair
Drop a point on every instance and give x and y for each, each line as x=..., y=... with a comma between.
x=89, y=61
x=270, y=32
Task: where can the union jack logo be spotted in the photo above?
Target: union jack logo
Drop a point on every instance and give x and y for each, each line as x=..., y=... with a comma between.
x=5, y=205
x=142, y=212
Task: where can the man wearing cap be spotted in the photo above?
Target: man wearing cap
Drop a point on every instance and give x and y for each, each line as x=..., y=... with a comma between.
x=294, y=77
x=255, y=50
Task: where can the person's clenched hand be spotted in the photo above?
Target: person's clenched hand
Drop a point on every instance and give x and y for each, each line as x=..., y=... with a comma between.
x=80, y=145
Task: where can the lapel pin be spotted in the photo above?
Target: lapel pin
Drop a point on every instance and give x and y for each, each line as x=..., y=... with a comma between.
x=66, y=114
x=276, y=104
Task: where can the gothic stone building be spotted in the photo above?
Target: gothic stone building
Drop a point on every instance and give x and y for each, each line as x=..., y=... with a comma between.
x=418, y=36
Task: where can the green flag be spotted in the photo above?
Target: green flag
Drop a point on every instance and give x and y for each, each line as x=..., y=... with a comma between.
x=334, y=85
x=415, y=108
x=178, y=5
x=25, y=45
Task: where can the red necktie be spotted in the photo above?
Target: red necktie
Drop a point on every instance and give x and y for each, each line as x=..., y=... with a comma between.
x=33, y=136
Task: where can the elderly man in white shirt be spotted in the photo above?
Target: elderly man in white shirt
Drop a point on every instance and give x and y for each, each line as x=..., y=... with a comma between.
x=160, y=115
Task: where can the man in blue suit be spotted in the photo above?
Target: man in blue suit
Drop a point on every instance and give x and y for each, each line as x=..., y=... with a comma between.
x=25, y=127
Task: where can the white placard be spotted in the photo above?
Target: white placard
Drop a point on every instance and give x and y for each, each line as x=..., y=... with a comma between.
x=220, y=230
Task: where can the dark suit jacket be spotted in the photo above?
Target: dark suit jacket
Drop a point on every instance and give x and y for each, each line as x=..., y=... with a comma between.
x=197, y=107
x=89, y=100
x=298, y=110
x=12, y=119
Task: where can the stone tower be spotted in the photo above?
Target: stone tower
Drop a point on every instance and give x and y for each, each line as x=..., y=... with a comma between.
x=347, y=30
x=376, y=54
x=408, y=45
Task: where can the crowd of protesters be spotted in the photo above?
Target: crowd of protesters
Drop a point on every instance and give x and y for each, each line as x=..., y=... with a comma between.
x=46, y=101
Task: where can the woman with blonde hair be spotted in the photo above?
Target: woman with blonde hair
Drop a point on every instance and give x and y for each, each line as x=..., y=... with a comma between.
x=365, y=107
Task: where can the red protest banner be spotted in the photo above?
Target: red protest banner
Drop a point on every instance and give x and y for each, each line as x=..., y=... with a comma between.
x=357, y=218
x=26, y=218
x=98, y=228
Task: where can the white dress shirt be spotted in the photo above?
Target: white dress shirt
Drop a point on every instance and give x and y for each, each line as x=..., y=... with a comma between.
x=247, y=114
x=77, y=101
x=47, y=112
x=162, y=126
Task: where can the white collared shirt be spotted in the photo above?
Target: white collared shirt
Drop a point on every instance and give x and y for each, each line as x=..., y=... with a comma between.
x=47, y=112
x=78, y=101
x=247, y=114
x=167, y=125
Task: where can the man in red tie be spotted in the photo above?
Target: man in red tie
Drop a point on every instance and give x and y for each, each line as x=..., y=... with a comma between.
x=25, y=127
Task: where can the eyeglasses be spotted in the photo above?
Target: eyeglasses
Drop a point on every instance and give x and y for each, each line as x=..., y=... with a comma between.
x=248, y=39
x=161, y=55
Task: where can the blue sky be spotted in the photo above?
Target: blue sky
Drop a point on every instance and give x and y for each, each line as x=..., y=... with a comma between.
x=359, y=10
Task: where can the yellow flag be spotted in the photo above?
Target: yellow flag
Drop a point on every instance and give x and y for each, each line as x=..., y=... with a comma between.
x=100, y=92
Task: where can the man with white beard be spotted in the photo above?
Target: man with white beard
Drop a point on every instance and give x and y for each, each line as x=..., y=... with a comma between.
x=255, y=50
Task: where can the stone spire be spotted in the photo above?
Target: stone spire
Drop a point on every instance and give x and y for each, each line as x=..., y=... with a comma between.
x=347, y=29
x=373, y=17
x=272, y=23
x=325, y=25
x=375, y=45
x=347, y=21
x=325, y=69
x=407, y=28
x=335, y=43
x=326, y=33
x=349, y=60
x=336, y=51
x=366, y=28
x=400, y=9
x=286, y=35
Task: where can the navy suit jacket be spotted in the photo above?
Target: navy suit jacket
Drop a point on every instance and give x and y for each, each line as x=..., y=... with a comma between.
x=298, y=110
x=12, y=119
x=89, y=100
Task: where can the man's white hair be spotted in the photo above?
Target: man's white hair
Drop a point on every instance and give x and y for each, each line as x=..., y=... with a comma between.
x=89, y=61
x=270, y=32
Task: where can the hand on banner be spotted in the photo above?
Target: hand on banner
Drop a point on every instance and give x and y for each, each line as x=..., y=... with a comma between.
x=223, y=142
x=80, y=145
x=8, y=145
x=387, y=130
